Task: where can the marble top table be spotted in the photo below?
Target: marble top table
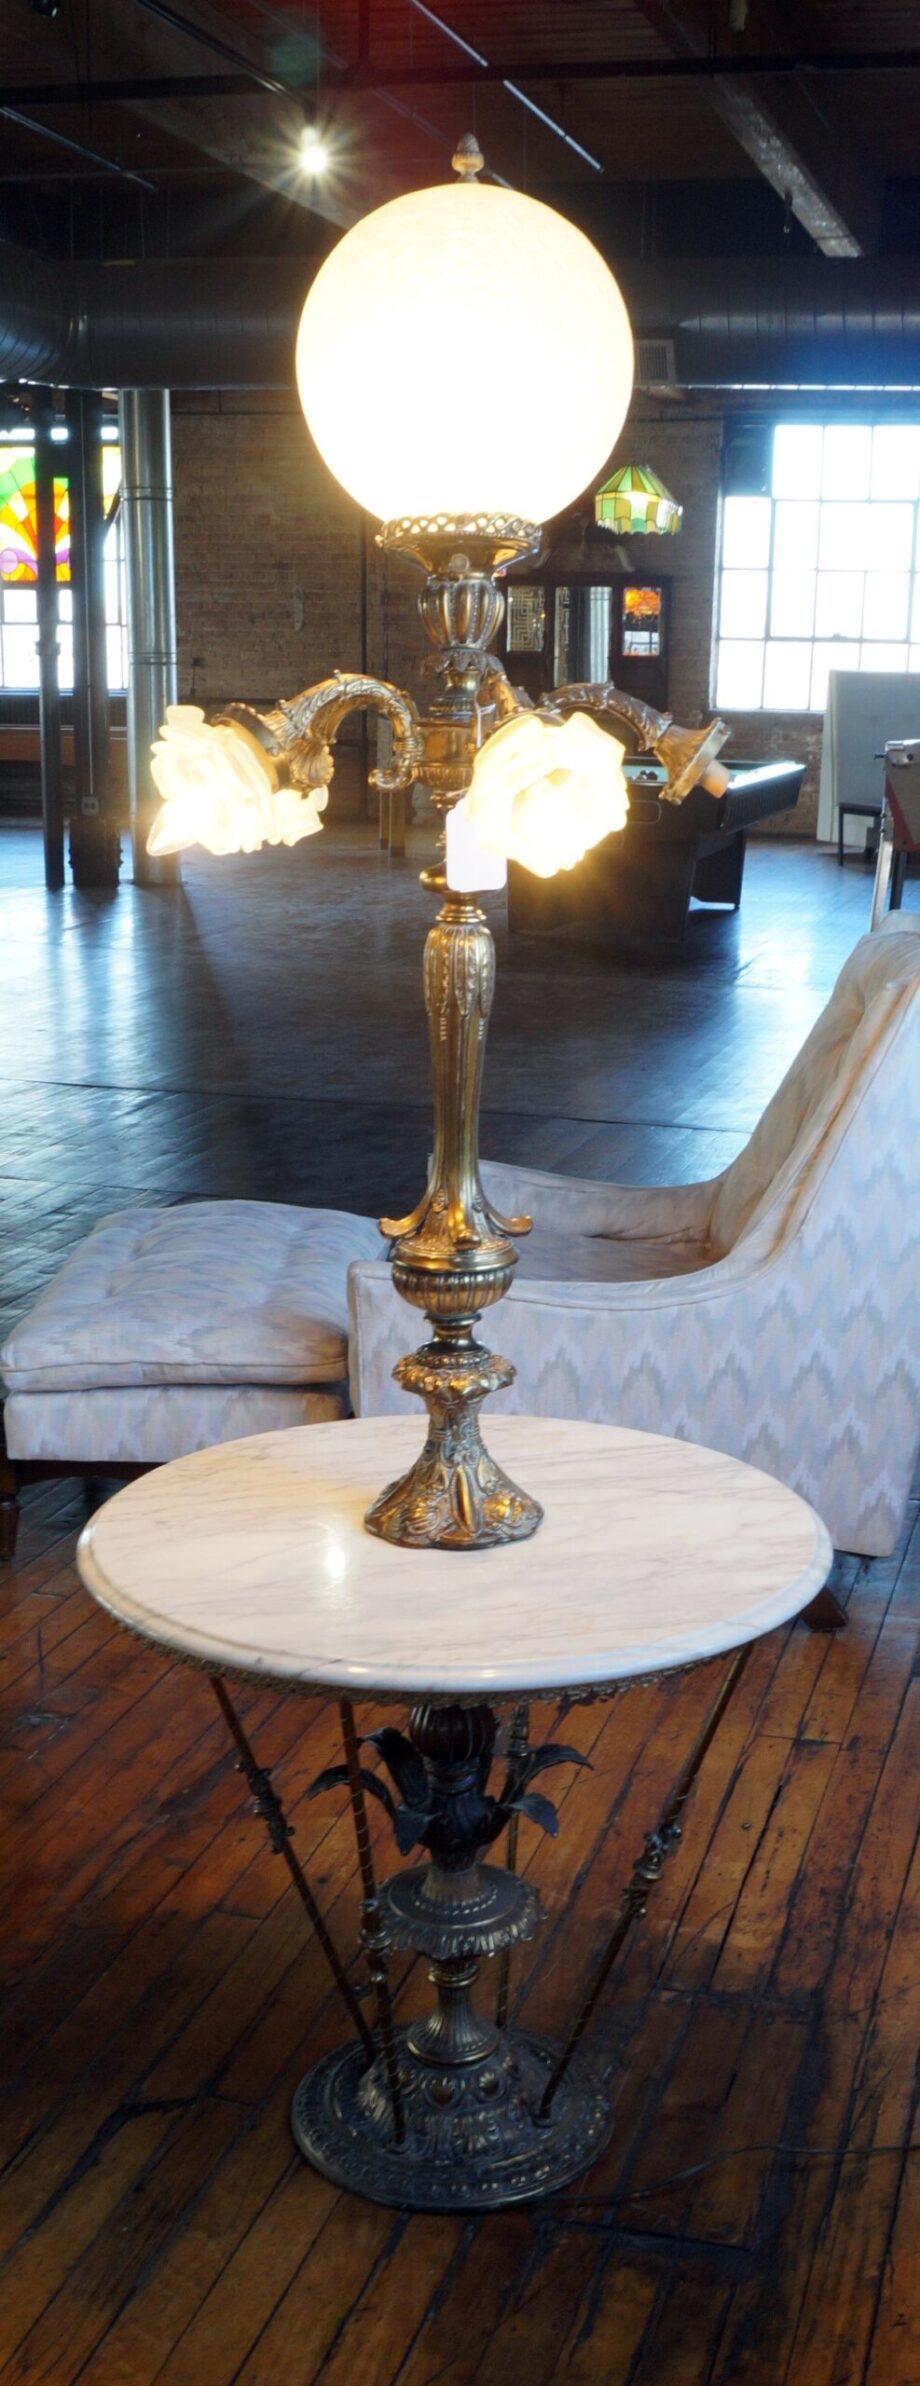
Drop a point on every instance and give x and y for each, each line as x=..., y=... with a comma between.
x=653, y=1554
x=254, y=1557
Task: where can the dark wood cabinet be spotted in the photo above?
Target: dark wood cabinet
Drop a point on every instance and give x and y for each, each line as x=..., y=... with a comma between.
x=565, y=623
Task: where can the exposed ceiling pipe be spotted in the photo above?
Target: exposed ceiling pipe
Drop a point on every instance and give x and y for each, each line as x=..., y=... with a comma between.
x=786, y=322
x=230, y=323
x=208, y=323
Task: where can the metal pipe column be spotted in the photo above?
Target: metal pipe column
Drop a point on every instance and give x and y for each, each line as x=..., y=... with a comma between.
x=95, y=848
x=49, y=701
x=147, y=513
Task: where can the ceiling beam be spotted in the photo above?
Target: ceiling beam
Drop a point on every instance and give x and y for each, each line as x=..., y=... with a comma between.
x=366, y=77
x=783, y=124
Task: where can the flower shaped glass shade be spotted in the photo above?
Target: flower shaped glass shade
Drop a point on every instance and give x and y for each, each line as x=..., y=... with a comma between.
x=219, y=790
x=634, y=499
x=543, y=792
x=464, y=350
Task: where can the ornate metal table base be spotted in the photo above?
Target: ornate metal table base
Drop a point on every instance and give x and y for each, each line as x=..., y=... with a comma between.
x=473, y=2134
x=456, y=2111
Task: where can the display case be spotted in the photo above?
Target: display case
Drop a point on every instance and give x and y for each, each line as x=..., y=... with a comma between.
x=563, y=625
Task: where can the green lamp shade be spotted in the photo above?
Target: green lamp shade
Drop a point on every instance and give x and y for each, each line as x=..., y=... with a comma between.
x=634, y=499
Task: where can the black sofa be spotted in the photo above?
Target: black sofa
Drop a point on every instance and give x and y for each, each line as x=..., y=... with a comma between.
x=636, y=887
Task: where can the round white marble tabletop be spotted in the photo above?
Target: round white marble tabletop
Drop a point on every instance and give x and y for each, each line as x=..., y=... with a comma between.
x=652, y=1554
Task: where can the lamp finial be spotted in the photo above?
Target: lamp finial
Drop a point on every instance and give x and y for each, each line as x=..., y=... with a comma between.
x=468, y=160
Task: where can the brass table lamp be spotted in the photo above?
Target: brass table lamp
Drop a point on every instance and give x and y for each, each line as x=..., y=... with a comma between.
x=457, y=268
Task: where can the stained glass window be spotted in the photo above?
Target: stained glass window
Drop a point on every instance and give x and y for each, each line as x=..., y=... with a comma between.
x=19, y=521
x=19, y=571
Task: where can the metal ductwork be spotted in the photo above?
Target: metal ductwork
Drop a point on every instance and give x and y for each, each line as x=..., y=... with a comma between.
x=208, y=323
x=221, y=323
x=782, y=322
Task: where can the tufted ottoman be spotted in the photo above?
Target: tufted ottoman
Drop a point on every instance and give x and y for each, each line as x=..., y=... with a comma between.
x=170, y=1329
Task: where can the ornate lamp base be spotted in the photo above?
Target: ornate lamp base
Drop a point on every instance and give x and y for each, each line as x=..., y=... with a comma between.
x=455, y=1496
x=473, y=2138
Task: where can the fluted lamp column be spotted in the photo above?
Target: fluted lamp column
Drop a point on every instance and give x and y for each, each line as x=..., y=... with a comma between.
x=479, y=283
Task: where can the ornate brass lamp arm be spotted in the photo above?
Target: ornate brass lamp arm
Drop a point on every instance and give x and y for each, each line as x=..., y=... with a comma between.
x=601, y=696
x=303, y=727
x=688, y=756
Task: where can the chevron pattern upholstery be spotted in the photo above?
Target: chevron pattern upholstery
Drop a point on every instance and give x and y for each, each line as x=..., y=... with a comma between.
x=781, y=1320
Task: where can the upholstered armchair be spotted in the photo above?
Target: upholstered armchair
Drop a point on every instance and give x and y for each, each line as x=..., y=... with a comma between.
x=773, y=1312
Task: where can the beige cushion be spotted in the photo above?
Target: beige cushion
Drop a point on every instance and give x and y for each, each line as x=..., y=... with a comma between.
x=213, y=1292
x=146, y=1425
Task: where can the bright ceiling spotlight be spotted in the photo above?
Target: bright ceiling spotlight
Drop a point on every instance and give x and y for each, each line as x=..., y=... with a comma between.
x=314, y=151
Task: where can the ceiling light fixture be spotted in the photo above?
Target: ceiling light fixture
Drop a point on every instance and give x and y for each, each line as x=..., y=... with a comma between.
x=314, y=151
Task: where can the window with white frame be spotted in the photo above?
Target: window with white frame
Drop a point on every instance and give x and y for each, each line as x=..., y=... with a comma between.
x=824, y=573
x=19, y=571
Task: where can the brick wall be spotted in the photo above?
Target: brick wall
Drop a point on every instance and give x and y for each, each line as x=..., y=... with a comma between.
x=269, y=567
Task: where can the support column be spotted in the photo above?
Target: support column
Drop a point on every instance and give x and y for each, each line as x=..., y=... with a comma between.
x=95, y=846
x=49, y=700
x=146, y=497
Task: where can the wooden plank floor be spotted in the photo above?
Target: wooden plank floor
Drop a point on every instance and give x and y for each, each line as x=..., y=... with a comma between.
x=756, y=2221
x=755, y=2218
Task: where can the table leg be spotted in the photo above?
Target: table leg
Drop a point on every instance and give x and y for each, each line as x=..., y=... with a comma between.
x=518, y=1740
x=375, y=1945
x=645, y=1872
x=268, y=1805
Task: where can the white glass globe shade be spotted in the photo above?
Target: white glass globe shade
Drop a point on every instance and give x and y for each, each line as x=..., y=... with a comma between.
x=464, y=350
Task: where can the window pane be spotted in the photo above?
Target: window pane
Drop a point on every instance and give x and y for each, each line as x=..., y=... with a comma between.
x=787, y=676
x=896, y=460
x=843, y=545
x=115, y=665
x=838, y=612
x=797, y=459
x=795, y=535
x=744, y=604
x=740, y=675
x=20, y=604
x=746, y=531
x=65, y=604
x=887, y=597
x=883, y=658
x=838, y=657
x=20, y=661
x=792, y=605
x=65, y=658
x=890, y=537
x=847, y=460
x=914, y=664
x=111, y=588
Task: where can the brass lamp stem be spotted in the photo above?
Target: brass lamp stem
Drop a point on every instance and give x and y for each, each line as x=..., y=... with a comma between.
x=453, y=1256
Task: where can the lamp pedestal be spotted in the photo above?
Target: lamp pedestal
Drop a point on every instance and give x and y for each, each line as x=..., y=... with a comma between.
x=453, y=1256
